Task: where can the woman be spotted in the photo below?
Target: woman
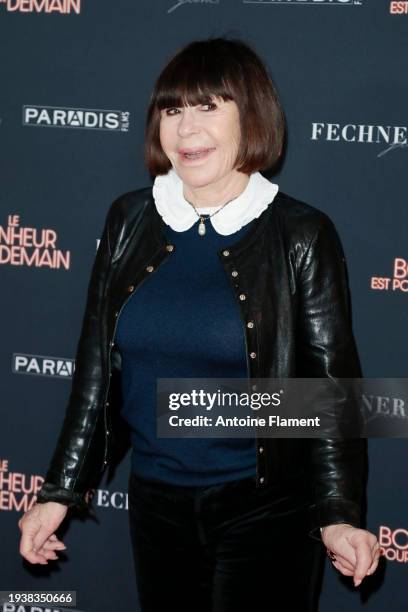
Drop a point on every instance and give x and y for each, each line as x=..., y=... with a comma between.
x=254, y=286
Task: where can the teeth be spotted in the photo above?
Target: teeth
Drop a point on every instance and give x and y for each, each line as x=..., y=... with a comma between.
x=196, y=154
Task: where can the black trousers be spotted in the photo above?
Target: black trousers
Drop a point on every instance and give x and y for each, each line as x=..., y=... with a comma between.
x=231, y=547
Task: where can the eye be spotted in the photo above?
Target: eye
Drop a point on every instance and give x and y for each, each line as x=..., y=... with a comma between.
x=210, y=104
x=169, y=111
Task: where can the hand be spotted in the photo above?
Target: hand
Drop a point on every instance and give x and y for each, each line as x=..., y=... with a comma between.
x=356, y=551
x=38, y=541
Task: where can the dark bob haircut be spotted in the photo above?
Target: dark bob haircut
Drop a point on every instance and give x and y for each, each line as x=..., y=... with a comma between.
x=226, y=68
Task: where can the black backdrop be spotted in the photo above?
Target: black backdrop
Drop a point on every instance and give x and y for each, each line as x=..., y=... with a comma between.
x=340, y=69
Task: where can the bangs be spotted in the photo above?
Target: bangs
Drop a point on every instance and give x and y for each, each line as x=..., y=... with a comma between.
x=192, y=81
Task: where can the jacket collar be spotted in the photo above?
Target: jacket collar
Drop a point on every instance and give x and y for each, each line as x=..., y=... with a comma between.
x=176, y=212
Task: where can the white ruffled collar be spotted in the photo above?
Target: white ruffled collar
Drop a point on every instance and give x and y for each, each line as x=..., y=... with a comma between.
x=180, y=215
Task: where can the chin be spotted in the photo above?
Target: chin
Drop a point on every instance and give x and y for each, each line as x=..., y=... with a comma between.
x=196, y=176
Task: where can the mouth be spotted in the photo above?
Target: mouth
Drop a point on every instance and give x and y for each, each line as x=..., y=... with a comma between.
x=196, y=153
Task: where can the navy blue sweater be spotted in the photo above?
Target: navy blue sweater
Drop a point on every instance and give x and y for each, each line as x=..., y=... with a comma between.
x=183, y=322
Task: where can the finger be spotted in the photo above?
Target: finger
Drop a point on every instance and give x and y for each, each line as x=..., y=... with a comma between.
x=372, y=567
x=48, y=554
x=53, y=546
x=374, y=564
x=344, y=570
x=53, y=540
x=41, y=537
x=346, y=551
x=27, y=551
x=344, y=562
x=364, y=560
x=34, y=553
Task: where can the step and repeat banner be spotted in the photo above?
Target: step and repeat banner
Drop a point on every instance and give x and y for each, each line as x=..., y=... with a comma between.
x=75, y=81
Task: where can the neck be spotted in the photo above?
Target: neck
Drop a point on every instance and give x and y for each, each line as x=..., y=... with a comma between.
x=215, y=194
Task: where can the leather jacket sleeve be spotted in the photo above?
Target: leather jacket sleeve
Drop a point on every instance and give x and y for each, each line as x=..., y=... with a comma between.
x=69, y=475
x=327, y=349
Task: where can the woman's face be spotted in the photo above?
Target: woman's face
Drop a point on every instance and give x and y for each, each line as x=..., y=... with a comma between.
x=202, y=141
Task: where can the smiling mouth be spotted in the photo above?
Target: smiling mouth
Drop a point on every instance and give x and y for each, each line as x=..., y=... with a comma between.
x=198, y=154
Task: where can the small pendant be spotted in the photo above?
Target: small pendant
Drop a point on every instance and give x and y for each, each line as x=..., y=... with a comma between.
x=201, y=228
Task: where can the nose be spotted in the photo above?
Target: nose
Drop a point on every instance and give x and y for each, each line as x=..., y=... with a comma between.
x=188, y=123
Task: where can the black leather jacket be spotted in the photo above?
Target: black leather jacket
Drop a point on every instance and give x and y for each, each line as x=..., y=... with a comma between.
x=291, y=287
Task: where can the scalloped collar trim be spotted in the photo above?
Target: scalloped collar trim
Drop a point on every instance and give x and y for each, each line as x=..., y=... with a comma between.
x=180, y=215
